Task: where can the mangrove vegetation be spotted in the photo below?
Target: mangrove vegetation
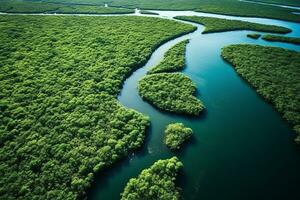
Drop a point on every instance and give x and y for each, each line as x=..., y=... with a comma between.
x=229, y=7
x=213, y=25
x=176, y=134
x=10, y=6
x=157, y=182
x=274, y=73
x=174, y=59
x=145, y=12
x=60, y=121
x=173, y=92
x=279, y=38
x=253, y=35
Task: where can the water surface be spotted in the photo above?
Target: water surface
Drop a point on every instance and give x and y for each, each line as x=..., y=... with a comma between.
x=241, y=149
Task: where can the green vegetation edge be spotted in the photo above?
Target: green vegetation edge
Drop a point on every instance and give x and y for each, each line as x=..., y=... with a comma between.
x=156, y=182
x=274, y=73
x=279, y=38
x=214, y=25
x=176, y=134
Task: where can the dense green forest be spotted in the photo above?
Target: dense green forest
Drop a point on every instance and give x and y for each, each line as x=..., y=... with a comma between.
x=283, y=2
x=274, y=73
x=43, y=7
x=254, y=35
x=229, y=7
x=145, y=12
x=213, y=25
x=278, y=38
x=156, y=182
x=173, y=92
x=174, y=59
x=60, y=121
x=176, y=134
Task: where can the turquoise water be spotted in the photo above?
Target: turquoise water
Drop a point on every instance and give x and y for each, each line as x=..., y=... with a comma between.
x=241, y=149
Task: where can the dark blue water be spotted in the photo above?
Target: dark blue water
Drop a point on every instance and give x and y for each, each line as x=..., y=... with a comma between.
x=241, y=149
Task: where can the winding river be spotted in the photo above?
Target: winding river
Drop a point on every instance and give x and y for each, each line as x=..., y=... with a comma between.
x=241, y=149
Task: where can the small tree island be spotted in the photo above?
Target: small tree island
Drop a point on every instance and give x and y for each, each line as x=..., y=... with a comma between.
x=176, y=134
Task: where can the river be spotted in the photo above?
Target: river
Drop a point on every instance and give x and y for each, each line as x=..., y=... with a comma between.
x=241, y=149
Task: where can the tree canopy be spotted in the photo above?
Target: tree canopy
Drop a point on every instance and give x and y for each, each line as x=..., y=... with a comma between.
x=60, y=121
x=174, y=59
x=156, y=182
x=173, y=92
x=176, y=134
x=274, y=73
x=14, y=6
x=279, y=38
x=213, y=25
x=229, y=7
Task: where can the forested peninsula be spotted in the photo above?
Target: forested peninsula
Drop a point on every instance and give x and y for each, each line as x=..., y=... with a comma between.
x=274, y=75
x=174, y=59
x=213, y=25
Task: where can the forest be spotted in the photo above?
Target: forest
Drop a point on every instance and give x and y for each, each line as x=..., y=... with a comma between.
x=274, y=75
x=172, y=92
x=213, y=25
x=145, y=12
x=11, y=6
x=155, y=182
x=254, y=35
x=283, y=2
x=174, y=59
x=229, y=7
x=176, y=134
x=279, y=38
x=60, y=121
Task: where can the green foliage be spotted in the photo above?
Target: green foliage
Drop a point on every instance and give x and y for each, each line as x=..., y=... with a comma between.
x=283, y=2
x=145, y=12
x=254, y=35
x=279, y=38
x=10, y=6
x=176, y=134
x=92, y=10
x=60, y=121
x=171, y=92
x=213, y=25
x=229, y=7
x=156, y=182
x=274, y=73
x=245, y=9
x=174, y=59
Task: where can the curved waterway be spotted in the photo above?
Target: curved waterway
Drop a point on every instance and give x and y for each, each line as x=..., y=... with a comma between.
x=241, y=149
